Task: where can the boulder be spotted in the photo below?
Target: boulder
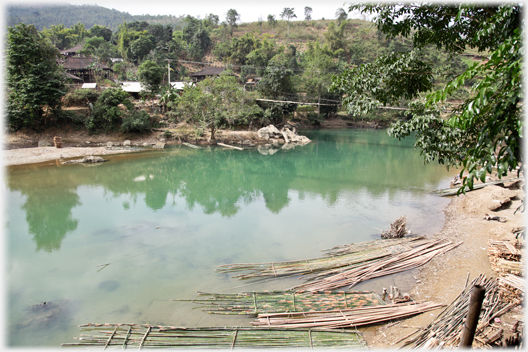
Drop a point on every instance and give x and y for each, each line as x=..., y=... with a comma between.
x=269, y=132
x=109, y=145
x=127, y=143
x=159, y=145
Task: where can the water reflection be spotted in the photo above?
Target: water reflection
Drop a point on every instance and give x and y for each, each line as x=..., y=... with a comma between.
x=222, y=180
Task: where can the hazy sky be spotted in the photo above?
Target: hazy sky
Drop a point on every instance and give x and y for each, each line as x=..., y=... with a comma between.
x=249, y=10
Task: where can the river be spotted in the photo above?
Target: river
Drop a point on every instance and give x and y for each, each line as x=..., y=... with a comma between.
x=163, y=221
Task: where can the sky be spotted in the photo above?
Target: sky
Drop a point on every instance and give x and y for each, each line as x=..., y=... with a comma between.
x=249, y=10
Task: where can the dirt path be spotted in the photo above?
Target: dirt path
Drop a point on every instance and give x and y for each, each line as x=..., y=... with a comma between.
x=444, y=277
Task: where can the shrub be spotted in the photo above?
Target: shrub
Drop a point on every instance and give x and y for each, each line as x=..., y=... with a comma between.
x=137, y=122
x=79, y=96
x=107, y=113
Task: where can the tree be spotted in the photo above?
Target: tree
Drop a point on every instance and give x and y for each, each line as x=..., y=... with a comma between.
x=335, y=37
x=272, y=22
x=232, y=18
x=341, y=15
x=486, y=130
x=288, y=14
x=308, y=13
x=197, y=37
x=213, y=20
x=150, y=75
x=277, y=84
x=100, y=31
x=34, y=80
x=140, y=47
x=218, y=102
x=319, y=66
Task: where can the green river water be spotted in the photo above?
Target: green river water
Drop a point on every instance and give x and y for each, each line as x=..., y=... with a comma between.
x=164, y=220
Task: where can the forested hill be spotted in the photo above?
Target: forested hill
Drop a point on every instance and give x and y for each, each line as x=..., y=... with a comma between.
x=47, y=15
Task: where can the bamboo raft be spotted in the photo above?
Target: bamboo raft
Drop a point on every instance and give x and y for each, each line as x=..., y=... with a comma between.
x=410, y=259
x=253, y=303
x=335, y=258
x=344, y=318
x=124, y=336
x=454, y=190
x=447, y=327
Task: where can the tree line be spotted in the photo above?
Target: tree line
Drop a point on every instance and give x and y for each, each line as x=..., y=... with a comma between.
x=415, y=61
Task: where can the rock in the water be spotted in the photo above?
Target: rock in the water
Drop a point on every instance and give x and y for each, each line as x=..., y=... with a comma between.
x=126, y=143
x=86, y=159
x=159, y=145
x=108, y=285
x=269, y=132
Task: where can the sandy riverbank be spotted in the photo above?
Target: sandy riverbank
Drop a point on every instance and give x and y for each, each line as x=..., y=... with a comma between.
x=40, y=154
x=444, y=277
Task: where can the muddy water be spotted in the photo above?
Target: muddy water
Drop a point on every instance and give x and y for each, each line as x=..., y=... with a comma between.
x=115, y=242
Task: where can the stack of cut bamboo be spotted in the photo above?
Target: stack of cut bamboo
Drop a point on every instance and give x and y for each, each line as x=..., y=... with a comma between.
x=356, y=263
x=447, y=327
x=344, y=318
x=352, y=275
x=506, y=259
x=254, y=303
x=352, y=255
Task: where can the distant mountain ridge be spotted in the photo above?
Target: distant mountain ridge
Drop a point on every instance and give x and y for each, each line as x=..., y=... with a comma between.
x=46, y=15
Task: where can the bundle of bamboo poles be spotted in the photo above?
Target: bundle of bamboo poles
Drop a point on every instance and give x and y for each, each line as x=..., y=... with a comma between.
x=254, y=303
x=446, y=328
x=365, y=246
x=146, y=336
x=344, y=318
x=409, y=259
x=366, y=252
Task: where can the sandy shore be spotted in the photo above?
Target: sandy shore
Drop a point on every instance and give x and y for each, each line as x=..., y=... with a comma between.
x=40, y=154
x=444, y=277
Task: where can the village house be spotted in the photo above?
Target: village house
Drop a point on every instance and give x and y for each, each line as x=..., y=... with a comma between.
x=206, y=72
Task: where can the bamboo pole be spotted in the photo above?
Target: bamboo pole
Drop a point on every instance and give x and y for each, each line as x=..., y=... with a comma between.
x=229, y=146
x=475, y=305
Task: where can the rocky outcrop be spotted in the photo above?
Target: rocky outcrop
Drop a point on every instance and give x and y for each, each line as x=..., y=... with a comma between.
x=86, y=159
x=288, y=135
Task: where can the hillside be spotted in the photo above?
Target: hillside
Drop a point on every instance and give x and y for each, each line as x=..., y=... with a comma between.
x=47, y=15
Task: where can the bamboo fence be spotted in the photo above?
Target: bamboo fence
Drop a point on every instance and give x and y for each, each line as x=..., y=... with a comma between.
x=253, y=303
x=353, y=254
x=344, y=318
x=409, y=259
x=122, y=336
x=447, y=327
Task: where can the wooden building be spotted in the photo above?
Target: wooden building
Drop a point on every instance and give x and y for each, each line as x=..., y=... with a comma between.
x=84, y=68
